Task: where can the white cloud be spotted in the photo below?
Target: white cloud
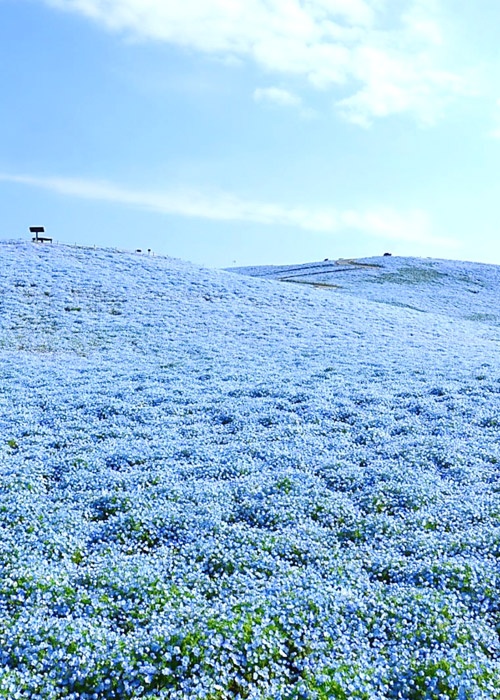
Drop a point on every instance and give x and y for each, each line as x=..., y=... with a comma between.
x=277, y=96
x=386, y=57
x=390, y=87
x=384, y=223
x=283, y=98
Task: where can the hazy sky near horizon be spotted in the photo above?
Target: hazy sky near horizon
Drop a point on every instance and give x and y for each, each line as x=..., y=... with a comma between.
x=253, y=131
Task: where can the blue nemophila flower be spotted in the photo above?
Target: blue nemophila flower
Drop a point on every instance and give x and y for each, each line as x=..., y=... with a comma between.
x=218, y=487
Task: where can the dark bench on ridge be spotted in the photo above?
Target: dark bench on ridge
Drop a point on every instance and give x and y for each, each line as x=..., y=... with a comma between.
x=37, y=230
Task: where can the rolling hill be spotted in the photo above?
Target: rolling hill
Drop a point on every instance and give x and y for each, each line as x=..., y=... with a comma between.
x=468, y=291
x=219, y=485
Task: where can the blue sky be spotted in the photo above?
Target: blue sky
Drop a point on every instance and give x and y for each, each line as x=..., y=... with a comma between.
x=253, y=131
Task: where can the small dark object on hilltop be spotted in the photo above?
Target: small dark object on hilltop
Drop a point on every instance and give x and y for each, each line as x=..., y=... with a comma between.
x=37, y=238
x=325, y=260
x=387, y=254
x=138, y=250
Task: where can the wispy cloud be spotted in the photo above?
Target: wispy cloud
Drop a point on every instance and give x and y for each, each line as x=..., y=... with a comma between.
x=280, y=97
x=384, y=223
x=277, y=96
x=387, y=58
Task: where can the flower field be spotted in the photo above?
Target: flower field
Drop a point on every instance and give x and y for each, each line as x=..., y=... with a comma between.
x=221, y=486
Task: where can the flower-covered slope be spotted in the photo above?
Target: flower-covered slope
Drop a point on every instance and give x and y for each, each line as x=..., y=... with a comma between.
x=214, y=486
x=468, y=291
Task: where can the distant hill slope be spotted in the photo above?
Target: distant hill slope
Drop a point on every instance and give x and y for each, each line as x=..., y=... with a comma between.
x=457, y=289
x=224, y=487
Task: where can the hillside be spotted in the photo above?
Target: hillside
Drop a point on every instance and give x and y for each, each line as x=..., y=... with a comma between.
x=223, y=486
x=468, y=291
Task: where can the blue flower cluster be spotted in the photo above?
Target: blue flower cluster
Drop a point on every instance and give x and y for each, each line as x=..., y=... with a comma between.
x=221, y=487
